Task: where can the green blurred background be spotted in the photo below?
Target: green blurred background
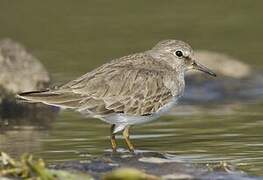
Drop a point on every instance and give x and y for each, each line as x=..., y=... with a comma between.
x=73, y=37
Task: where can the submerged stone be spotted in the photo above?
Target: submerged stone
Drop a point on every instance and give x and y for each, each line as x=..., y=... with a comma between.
x=152, y=165
x=129, y=174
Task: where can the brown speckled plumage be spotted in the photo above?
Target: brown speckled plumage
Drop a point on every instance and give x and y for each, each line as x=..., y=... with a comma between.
x=133, y=84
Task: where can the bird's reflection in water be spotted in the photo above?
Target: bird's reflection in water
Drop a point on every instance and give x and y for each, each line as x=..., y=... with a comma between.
x=22, y=126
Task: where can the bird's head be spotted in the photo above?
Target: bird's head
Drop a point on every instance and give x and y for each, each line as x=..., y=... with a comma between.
x=179, y=55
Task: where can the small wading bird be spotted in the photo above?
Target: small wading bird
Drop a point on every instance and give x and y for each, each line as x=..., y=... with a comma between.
x=130, y=90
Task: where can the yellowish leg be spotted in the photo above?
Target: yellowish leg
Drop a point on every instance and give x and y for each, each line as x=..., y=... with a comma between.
x=112, y=139
x=127, y=139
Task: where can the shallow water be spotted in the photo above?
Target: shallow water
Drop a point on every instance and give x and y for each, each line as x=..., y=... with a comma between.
x=211, y=135
x=72, y=38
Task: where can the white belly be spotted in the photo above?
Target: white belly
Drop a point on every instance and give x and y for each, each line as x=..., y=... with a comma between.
x=121, y=118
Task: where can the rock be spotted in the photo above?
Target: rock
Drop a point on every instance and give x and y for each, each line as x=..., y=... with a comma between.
x=19, y=70
x=151, y=165
x=236, y=81
x=122, y=167
x=129, y=174
x=222, y=64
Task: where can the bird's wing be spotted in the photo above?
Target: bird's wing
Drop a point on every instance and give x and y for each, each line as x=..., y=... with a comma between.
x=134, y=90
x=129, y=91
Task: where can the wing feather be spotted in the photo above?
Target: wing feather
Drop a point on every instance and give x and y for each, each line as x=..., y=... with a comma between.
x=136, y=86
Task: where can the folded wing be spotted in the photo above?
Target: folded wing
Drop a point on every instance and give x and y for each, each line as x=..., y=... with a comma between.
x=112, y=89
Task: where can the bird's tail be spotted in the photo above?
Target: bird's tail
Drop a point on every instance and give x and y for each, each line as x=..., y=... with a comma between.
x=49, y=97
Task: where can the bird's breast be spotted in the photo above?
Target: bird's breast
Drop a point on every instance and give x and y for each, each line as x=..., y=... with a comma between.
x=167, y=107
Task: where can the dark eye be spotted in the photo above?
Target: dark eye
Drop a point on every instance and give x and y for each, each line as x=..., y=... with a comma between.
x=179, y=53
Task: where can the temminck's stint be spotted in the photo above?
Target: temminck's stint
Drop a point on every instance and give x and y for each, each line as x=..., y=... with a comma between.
x=130, y=90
